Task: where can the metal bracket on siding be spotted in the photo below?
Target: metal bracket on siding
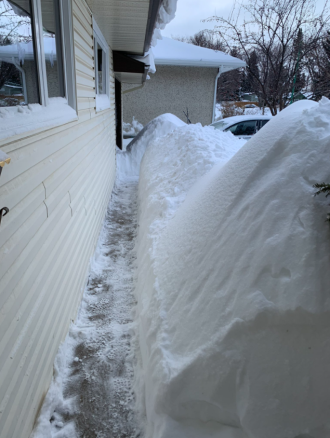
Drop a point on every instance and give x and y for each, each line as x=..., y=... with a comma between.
x=3, y=212
x=4, y=159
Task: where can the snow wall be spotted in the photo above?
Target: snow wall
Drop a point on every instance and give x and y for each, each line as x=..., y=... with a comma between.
x=128, y=162
x=233, y=282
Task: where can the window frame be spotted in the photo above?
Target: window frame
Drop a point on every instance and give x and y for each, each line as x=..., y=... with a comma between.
x=101, y=41
x=68, y=60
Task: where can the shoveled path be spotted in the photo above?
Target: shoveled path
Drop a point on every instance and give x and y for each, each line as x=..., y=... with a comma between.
x=97, y=382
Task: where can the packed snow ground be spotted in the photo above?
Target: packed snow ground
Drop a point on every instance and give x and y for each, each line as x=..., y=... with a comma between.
x=233, y=284
x=91, y=393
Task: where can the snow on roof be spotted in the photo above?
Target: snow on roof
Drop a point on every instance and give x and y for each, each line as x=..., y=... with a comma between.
x=173, y=52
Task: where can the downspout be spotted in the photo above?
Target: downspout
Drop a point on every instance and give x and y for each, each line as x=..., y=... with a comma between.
x=133, y=89
x=215, y=91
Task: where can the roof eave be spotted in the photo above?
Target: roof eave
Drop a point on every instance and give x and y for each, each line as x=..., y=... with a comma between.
x=228, y=65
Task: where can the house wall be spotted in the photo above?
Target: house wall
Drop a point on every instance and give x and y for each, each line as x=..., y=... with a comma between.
x=57, y=188
x=173, y=89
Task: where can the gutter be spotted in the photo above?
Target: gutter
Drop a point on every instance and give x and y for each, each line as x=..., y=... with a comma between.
x=154, y=6
x=215, y=91
x=201, y=63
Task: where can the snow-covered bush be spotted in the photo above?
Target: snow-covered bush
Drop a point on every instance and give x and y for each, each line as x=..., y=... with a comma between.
x=132, y=129
x=233, y=283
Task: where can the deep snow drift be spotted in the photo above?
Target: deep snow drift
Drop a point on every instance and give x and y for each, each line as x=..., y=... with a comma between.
x=233, y=284
x=128, y=162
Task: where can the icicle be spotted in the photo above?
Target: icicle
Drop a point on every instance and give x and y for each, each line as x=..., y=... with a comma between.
x=21, y=53
x=51, y=58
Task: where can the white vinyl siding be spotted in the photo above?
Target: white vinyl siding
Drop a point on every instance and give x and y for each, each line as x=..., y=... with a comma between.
x=57, y=189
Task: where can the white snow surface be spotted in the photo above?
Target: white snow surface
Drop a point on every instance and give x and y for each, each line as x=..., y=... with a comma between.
x=172, y=52
x=132, y=128
x=166, y=14
x=3, y=156
x=129, y=160
x=102, y=102
x=233, y=281
x=18, y=119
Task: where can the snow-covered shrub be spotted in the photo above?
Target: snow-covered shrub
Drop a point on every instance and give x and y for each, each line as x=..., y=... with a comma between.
x=230, y=109
x=233, y=290
x=325, y=189
x=132, y=129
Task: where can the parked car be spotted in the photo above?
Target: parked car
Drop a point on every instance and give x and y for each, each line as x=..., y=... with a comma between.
x=242, y=126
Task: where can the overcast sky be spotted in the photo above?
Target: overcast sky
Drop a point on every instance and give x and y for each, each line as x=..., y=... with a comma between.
x=190, y=13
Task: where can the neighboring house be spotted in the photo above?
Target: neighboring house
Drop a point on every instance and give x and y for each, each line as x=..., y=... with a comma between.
x=59, y=181
x=185, y=79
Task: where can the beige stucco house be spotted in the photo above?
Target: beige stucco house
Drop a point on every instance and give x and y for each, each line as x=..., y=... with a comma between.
x=185, y=79
x=69, y=58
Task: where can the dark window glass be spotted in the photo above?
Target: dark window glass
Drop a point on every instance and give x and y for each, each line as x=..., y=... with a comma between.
x=263, y=123
x=243, y=128
x=51, y=24
x=18, y=72
x=100, y=70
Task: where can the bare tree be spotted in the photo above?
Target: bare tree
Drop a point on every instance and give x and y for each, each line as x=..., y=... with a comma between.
x=281, y=35
x=319, y=69
x=205, y=38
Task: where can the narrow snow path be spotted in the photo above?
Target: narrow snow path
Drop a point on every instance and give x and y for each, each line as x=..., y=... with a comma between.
x=96, y=399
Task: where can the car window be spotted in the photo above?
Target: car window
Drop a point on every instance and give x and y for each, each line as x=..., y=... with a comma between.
x=263, y=123
x=219, y=125
x=243, y=128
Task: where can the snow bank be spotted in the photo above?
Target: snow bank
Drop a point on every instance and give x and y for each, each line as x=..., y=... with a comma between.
x=128, y=162
x=170, y=166
x=50, y=420
x=233, y=297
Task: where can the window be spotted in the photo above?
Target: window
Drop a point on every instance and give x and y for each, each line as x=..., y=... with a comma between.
x=219, y=125
x=18, y=68
x=101, y=58
x=36, y=57
x=243, y=128
x=263, y=123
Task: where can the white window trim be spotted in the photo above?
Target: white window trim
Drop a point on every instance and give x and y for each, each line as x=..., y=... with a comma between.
x=101, y=41
x=40, y=53
x=67, y=52
x=18, y=120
